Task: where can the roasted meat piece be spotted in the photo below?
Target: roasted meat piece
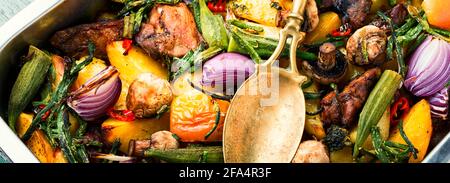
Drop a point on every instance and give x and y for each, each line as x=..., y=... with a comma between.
x=343, y=108
x=398, y=14
x=355, y=11
x=170, y=30
x=74, y=40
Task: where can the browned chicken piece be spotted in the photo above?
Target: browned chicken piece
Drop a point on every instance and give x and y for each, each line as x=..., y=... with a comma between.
x=355, y=11
x=331, y=109
x=74, y=40
x=343, y=108
x=398, y=14
x=170, y=30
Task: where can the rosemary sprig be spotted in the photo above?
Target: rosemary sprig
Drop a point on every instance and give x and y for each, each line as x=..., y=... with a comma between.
x=114, y=148
x=398, y=49
x=392, y=152
x=64, y=138
x=422, y=19
x=217, y=109
x=60, y=95
x=405, y=138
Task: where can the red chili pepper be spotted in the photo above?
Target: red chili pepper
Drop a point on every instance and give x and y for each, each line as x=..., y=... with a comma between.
x=218, y=6
x=127, y=44
x=121, y=115
x=45, y=116
x=211, y=6
x=339, y=33
x=399, y=110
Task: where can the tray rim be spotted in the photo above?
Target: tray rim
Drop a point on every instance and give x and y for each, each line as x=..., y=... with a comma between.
x=10, y=143
x=18, y=152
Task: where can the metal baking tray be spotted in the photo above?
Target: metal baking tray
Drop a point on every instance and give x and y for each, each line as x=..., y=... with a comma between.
x=34, y=25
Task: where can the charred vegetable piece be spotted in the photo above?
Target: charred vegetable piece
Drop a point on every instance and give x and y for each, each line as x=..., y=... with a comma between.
x=336, y=138
x=73, y=41
x=212, y=154
x=30, y=79
x=313, y=123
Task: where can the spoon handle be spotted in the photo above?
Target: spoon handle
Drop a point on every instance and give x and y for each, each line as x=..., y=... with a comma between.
x=292, y=29
x=298, y=9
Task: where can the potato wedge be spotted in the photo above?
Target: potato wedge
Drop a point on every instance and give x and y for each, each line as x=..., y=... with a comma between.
x=418, y=128
x=328, y=22
x=38, y=142
x=88, y=72
x=258, y=11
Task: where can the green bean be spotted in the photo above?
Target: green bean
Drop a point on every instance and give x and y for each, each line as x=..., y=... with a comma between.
x=245, y=26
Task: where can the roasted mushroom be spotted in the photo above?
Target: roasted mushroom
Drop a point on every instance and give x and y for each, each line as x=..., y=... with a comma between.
x=311, y=151
x=367, y=46
x=147, y=94
x=159, y=140
x=330, y=68
x=164, y=140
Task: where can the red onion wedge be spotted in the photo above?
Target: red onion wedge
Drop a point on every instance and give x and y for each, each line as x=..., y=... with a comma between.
x=226, y=72
x=93, y=98
x=429, y=68
x=439, y=104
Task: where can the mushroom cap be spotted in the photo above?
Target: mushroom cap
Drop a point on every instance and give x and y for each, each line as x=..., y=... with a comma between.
x=163, y=140
x=312, y=69
x=375, y=41
x=147, y=94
